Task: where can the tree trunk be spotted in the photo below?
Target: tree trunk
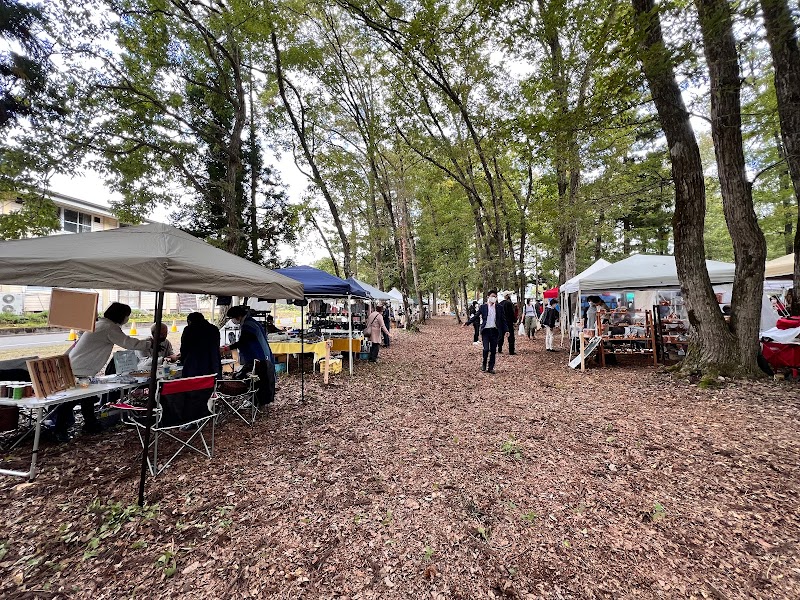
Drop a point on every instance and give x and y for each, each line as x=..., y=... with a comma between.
x=331, y=253
x=234, y=156
x=298, y=124
x=598, y=239
x=454, y=304
x=255, y=251
x=786, y=186
x=782, y=39
x=712, y=348
x=749, y=244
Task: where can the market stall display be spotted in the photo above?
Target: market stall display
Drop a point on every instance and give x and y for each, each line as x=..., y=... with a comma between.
x=320, y=286
x=623, y=334
x=153, y=258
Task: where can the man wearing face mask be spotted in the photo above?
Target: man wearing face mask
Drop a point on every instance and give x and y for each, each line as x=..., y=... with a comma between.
x=89, y=355
x=493, y=326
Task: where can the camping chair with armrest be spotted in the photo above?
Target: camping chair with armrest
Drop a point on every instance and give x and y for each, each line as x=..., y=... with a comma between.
x=176, y=417
x=238, y=397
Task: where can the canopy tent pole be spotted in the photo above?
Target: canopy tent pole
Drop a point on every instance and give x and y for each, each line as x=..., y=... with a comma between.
x=302, y=353
x=350, y=328
x=151, y=395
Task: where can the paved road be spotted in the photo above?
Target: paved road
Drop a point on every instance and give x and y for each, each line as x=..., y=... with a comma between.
x=48, y=339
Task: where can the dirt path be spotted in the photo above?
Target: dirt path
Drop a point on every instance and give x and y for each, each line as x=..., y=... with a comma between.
x=422, y=477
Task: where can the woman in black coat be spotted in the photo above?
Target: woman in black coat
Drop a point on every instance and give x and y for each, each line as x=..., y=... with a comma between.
x=200, y=347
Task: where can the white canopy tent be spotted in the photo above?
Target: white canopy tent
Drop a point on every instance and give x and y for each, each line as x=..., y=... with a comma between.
x=375, y=293
x=646, y=273
x=573, y=285
x=642, y=271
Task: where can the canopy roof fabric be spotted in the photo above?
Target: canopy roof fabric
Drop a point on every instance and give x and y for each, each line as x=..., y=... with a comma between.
x=373, y=292
x=642, y=271
x=395, y=294
x=572, y=285
x=321, y=284
x=551, y=293
x=780, y=267
x=150, y=258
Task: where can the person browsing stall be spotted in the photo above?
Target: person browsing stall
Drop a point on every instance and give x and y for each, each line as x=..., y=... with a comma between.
x=253, y=347
x=88, y=357
x=374, y=329
x=549, y=321
x=493, y=325
x=200, y=347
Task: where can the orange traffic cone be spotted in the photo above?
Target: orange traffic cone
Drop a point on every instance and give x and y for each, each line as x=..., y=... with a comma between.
x=72, y=336
x=174, y=327
x=133, y=329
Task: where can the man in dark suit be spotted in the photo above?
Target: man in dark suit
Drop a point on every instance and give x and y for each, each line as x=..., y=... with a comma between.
x=511, y=321
x=493, y=325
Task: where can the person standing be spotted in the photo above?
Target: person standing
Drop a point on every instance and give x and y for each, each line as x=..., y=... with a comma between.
x=476, y=324
x=549, y=321
x=88, y=356
x=591, y=312
x=387, y=321
x=539, y=309
x=510, y=316
x=374, y=329
x=493, y=325
x=200, y=347
x=531, y=319
x=255, y=354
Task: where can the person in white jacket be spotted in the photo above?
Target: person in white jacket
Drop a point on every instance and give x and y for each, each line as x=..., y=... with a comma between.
x=88, y=357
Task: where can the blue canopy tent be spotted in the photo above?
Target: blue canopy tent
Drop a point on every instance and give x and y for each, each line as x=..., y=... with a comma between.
x=320, y=284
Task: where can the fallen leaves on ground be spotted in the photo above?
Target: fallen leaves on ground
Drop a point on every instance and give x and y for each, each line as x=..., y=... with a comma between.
x=422, y=477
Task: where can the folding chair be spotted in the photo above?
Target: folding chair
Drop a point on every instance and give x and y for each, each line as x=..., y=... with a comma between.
x=187, y=432
x=238, y=397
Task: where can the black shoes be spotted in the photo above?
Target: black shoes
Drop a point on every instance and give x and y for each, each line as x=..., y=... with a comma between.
x=490, y=371
x=483, y=368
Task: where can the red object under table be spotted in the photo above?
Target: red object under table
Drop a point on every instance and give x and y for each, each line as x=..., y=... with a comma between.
x=781, y=355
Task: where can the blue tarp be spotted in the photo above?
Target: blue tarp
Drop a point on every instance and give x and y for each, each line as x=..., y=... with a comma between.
x=317, y=283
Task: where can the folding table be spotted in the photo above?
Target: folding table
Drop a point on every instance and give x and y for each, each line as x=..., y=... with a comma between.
x=39, y=405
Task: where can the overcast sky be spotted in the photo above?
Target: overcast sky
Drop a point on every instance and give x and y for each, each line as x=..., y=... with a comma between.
x=90, y=187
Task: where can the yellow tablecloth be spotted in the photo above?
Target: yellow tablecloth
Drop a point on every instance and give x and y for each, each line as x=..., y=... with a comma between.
x=295, y=348
x=342, y=345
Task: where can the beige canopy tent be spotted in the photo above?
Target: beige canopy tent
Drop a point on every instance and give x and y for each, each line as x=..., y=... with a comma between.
x=780, y=267
x=148, y=258
x=153, y=258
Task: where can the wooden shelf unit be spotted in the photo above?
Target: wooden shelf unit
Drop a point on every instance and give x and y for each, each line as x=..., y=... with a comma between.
x=640, y=345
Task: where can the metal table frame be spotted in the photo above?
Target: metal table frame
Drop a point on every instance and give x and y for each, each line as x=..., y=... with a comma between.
x=38, y=407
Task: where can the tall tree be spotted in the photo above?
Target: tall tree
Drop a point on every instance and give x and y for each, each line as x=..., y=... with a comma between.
x=782, y=38
x=713, y=348
x=749, y=245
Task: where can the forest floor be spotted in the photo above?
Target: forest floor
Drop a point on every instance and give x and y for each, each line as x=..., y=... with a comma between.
x=421, y=477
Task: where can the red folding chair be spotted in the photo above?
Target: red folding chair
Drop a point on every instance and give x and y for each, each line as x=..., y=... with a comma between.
x=187, y=432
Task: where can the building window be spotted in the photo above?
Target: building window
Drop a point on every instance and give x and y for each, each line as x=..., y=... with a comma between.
x=75, y=222
x=132, y=299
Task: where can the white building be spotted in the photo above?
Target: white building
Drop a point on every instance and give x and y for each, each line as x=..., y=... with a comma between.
x=81, y=216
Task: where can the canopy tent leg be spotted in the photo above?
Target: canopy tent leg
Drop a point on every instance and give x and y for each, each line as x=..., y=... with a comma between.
x=350, y=329
x=151, y=396
x=302, y=353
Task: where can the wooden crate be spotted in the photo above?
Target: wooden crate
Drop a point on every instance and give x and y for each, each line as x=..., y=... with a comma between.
x=51, y=375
